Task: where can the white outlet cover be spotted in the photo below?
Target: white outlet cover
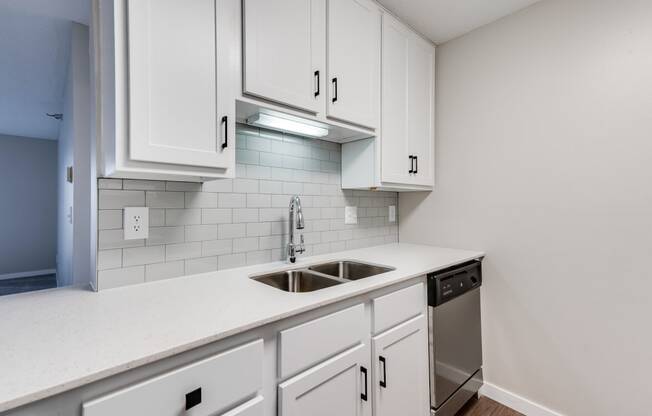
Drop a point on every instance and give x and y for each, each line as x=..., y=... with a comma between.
x=350, y=215
x=392, y=213
x=136, y=223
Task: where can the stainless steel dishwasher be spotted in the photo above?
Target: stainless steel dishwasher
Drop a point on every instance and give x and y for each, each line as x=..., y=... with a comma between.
x=454, y=336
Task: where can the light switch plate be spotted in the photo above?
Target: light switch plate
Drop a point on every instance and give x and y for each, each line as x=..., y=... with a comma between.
x=392, y=213
x=136, y=223
x=350, y=215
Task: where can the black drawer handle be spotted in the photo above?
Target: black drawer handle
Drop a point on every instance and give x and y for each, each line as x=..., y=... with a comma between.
x=193, y=398
x=334, y=89
x=383, y=382
x=411, y=164
x=416, y=164
x=364, y=396
x=318, y=83
x=225, y=121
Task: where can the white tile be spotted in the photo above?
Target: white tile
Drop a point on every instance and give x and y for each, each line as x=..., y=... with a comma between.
x=108, y=239
x=216, y=247
x=109, y=259
x=335, y=156
x=319, y=177
x=312, y=164
x=274, y=241
x=201, y=265
x=272, y=214
x=311, y=189
x=183, y=186
x=271, y=187
x=248, y=157
x=183, y=251
x=279, y=227
x=280, y=201
x=282, y=174
x=201, y=200
x=161, y=271
x=110, y=219
x=245, y=186
x=258, y=200
x=216, y=216
x=231, y=231
x=183, y=216
x=201, y=232
x=107, y=279
x=292, y=188
x=258, y=172
x=110, y=199
x=329, y=213
x=329, y=166
x=219, y=185
x=271, y=159
x=259, y=257
x=312, y=238
x=164, y=199
x=345, y=234
x=245, y=215
x=230, y=261
x=259, y=143
x=105, y=183
x=321, y=225
x=292, y=162
x=328, y=236
x=165, y=235
x=321, y=248
x=143, y=255
x=321, y=154
x=302, y=176
x=338, y=246
x=259, y=229
x=329, y=190
x=156, y=217
x=232, y=200
x=137, y=184
x=241, y=245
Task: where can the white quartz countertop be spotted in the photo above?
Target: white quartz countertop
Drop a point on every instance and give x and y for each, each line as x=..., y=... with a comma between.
x=57, y=340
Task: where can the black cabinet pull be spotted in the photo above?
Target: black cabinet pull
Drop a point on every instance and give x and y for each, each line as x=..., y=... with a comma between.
x=225, y=121
x=318, y=83
x=363, y=396
x=334, y=89
x=411, y=164
x=193, y=398
x=416, y=164
x=383, y=382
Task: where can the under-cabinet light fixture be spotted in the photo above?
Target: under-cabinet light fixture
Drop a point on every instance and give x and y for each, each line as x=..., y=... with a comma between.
x=286, y=125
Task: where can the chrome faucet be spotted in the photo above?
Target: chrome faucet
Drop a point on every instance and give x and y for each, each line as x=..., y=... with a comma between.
x=293, y=249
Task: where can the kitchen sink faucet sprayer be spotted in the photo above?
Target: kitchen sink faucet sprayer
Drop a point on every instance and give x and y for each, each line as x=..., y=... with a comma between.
x=295, y=209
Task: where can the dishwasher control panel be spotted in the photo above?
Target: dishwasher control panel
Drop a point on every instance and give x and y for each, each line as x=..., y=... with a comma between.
x=453, y=282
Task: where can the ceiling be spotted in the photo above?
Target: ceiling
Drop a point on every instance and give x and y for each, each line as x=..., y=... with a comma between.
x=443, y=20
x=34, y=51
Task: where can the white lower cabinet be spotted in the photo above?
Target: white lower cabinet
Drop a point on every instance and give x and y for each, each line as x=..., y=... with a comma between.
x=400, y=363
x=208, y=387
x=339, y=386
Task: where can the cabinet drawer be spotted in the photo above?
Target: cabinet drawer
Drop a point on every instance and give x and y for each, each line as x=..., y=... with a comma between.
x=224, y=379
x=307, y=344
x=397, y=307
x=253, y=407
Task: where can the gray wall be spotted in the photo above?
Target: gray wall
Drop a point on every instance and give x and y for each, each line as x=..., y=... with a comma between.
x=197, y=228
x=544, y=160
x=29, y=204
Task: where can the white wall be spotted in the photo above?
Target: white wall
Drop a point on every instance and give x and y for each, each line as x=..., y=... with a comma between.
x=27, y=205
x=544, y=160
x=74, y=238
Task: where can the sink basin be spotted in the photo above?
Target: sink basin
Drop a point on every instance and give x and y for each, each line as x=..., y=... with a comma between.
x=297, y=281
x=350, y=270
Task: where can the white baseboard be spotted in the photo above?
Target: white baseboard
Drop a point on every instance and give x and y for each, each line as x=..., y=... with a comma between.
x=27, y=274
x=516, y=402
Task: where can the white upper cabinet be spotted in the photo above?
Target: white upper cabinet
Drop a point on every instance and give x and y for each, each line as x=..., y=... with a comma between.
x=172, y=110
x=285, y=51
x=401, y=157
x=354, y=61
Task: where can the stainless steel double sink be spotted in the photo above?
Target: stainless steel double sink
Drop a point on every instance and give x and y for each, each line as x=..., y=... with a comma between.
x=320, y=276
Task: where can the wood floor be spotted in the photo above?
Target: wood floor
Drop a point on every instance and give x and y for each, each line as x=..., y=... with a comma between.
x=486, y=407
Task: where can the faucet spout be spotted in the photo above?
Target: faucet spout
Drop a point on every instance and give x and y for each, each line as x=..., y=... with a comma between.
x=295, y=213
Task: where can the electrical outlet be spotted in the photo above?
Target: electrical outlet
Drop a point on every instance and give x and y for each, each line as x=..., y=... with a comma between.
x=392, y=213
x=136, y=223
x=350, y=215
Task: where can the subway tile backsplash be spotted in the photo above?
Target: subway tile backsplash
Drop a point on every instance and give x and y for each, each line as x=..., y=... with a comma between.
x=226, y=223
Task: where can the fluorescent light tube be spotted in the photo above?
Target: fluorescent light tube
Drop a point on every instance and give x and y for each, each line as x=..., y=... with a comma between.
x=283, y=124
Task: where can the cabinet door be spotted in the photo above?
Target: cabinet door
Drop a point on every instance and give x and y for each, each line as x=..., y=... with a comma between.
x=181, y=103
x=401, y=370
x=395, y=157
x=354, y=61
x=340, y=386
x=421, y=114
x=285, y=51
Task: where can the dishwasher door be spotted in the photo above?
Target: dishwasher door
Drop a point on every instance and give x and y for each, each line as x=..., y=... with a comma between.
x=455, y=344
